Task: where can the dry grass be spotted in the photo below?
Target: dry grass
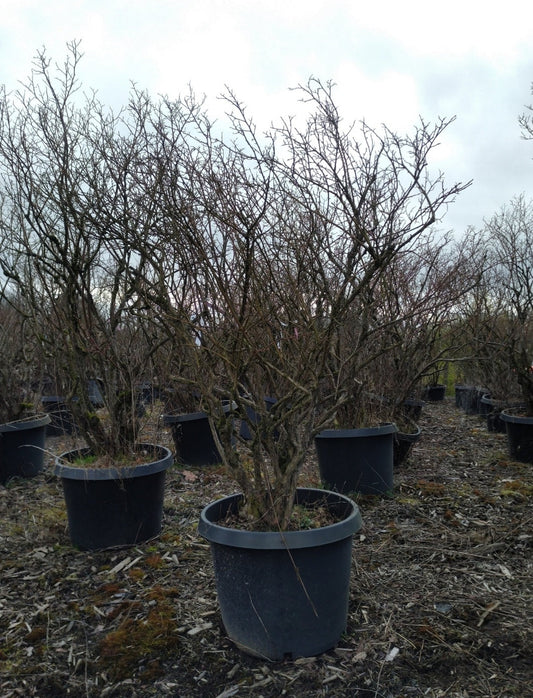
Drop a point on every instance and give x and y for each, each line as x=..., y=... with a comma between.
x=441, y=598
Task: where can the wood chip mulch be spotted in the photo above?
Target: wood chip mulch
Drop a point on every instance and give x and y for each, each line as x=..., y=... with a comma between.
x=441, y=591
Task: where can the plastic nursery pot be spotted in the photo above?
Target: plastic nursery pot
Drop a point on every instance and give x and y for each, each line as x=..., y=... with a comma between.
x=22, y=447
x=519, y=436
x=459, y=390
x=357, y=460
x=466, y=398
x=253, y=418
x=403, y=443
x=283, y=595
x=412, y=409
x=434, y=393
x=61, y=418
x=110, y=507
x=147, y=393
x=484, y=408
x=193, y=439
x=94, y=391
x=474, y=404
x=493, y=409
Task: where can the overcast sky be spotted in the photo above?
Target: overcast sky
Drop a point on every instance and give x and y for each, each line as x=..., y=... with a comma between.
x=392, y=61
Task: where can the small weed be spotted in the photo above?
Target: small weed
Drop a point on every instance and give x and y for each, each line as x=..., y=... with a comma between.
x=35, y=635
x=431, y=489
x=517, y=489
x=136, y=573
x=84, y=461
x=154, y=561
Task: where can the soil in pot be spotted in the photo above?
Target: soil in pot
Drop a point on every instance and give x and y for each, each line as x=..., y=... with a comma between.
x=283, y=595
x=110, y=507
x=22, y=447
x=357, y=460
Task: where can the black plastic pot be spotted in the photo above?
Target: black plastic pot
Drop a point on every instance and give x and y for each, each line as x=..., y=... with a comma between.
x=253, y=418
x=412, y=408
x=61, y=418
x=459, y=389
x=467, y=398
x=193, y=439
x=94, y=390
x=283, y=595
x=22, y=447
x=109, y=507
x=472, y=399
x=434, y=393
x=480, y=394
x=519, y=436
x=493, y=409
x=147, y=393
x=357, y=460
x=484, y=408
x=403, y=443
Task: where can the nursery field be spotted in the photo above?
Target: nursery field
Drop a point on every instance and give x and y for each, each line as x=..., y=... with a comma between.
x=441, y=600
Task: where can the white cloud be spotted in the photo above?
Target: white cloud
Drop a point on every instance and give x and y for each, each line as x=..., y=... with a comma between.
x=491, y=31
x=391, y=61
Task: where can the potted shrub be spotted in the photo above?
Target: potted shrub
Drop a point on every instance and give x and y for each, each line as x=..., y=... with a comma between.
x=67, y=190
x=509, y=238
x=487, y=329
x=434, y=390
x=356, y=453
x=194, y=442
x=409, y=323
x=262, y=247
x=193, y=438
x=22, y=429
x=488, y=325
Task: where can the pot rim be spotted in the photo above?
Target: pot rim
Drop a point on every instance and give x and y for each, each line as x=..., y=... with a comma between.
x=408, y=435
x=413, y=401
x=505, y=404
x=507, y=416
x=381, y=430
x=183, y=417
x=70, y=472
x=34, y=422
x=279, y=540
x=178, y=417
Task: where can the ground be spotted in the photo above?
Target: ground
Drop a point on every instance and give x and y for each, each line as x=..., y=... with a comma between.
x=440, y=601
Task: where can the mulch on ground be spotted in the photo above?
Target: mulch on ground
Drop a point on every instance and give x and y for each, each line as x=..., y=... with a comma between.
x=441, y=601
